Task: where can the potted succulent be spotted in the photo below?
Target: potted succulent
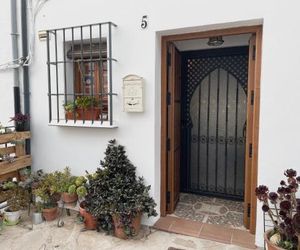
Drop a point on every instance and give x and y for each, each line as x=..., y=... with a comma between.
x=65, y=185
x=48, y=202
x=116, y=196
x=89, y=220
x=21, y=121
x=1, y=220
x=87, y=108
x=70, y=110
x=283, y=209
x=46, y=193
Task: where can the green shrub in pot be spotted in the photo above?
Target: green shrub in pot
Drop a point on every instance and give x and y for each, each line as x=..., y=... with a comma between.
x=116, y=196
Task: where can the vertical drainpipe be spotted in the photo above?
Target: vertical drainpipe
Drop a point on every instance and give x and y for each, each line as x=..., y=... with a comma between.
x=15, y=54
x=25, y=68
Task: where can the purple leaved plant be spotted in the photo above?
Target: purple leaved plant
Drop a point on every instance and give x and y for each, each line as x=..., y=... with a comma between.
x=20, y=118
x=283, y=207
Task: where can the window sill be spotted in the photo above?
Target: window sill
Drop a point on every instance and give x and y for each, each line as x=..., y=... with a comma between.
x=80, y=124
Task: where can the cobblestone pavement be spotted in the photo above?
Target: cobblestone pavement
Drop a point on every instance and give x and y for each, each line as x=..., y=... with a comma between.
x=48, y=236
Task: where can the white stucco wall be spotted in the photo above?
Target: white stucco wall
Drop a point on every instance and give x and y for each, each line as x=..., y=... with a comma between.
x=6, y=77
x=138, y=52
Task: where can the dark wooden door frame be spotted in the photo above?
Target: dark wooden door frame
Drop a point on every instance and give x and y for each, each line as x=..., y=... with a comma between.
x=255, y=30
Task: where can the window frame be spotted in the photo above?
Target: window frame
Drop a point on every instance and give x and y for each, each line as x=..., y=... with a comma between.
x=104, y=93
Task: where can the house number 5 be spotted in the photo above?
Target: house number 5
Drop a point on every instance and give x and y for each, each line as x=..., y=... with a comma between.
x=144, y=22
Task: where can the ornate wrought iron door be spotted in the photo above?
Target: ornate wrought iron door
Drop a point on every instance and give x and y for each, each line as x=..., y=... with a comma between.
x=214, y=87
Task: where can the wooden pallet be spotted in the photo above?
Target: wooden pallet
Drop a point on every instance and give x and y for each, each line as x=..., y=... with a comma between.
x=8, y=147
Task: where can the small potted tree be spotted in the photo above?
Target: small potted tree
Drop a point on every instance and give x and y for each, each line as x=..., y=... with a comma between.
x=21, y=121
x=116, y=196
x=283, y=209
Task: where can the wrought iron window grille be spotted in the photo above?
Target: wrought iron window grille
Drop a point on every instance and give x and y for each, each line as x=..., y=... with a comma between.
x=80, y=86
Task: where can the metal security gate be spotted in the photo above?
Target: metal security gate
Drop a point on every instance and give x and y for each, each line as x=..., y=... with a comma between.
x=214, y=110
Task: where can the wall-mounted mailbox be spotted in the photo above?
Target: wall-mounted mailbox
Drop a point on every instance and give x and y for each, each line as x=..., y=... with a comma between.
x=133, y=91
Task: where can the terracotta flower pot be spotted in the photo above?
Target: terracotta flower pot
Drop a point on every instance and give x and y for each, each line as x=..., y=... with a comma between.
x=270, y=246
x=50, y=213
x=69, y=198
x=89, y=114
x=119, y=227
x=90, y=221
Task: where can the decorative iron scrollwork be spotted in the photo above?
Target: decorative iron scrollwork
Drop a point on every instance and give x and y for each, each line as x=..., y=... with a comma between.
x=220, y=140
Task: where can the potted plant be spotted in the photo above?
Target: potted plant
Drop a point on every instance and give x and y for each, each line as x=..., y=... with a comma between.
x=283, y=209
x=87, y=108
x=21, y=121
x=17, y=200
x=46, y=193
x=65, y=185
x=89, y=220
x=37, y=217
x=116, y=197
x=1, y=220
x=12, y=215
x=48, y=202
x=70, y=110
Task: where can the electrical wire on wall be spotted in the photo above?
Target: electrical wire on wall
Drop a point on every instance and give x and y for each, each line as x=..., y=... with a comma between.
x=33, y=10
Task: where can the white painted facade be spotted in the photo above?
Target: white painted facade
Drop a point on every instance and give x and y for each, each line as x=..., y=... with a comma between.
x=138, y=52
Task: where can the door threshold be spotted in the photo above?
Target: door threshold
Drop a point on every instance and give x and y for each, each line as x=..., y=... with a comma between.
x=206, y=231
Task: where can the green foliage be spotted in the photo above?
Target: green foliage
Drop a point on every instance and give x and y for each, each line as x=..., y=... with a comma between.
x=80, y=181
x=70, y=106
x=60, y=181
x=9, y=185
x=17, y=198
x=38, y=207
x=81, y=191
x=72, y=189
x=85, y=102
x=116, y=190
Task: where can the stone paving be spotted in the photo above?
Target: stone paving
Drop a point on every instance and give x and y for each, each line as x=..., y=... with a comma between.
x=210, y=210
x=48, y=236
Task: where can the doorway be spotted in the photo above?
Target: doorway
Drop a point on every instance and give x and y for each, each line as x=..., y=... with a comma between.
x=214, y=104
x=210, y=104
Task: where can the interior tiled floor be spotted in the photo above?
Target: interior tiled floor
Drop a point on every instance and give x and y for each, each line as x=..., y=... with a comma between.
x=210, y=210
